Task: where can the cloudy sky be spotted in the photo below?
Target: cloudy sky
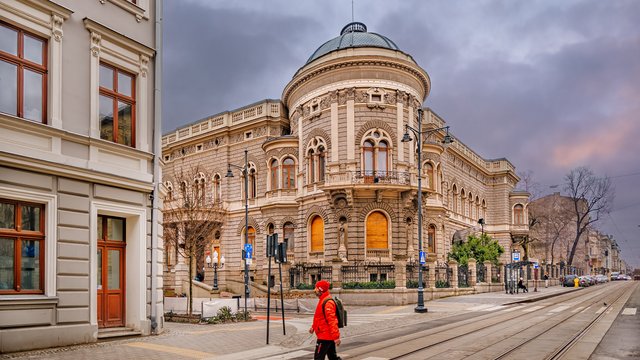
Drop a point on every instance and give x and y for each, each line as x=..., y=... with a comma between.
x=551, y=85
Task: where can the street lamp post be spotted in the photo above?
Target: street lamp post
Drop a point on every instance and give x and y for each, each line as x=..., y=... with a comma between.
x=406, y=138
x=214, y=264
x=245, y=171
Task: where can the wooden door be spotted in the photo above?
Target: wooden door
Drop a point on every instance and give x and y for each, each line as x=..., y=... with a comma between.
x=111, y=272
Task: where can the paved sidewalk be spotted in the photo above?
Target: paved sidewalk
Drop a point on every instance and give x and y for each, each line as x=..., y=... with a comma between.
x=248, y=340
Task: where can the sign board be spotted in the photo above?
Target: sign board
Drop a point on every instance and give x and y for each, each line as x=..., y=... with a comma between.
x=248, y=261
x=535, y=265
x=423, y=257
x=515, y=256
x=248, y=249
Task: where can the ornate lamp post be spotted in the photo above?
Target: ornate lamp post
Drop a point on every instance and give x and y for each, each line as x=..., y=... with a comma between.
x=418, y=137
x=245, y=171
x=214, y=263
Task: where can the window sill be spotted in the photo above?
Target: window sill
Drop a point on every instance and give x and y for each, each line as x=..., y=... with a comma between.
x=14, y=299
x=134, y=9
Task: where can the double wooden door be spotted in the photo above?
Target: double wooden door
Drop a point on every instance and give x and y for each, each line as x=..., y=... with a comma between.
x=111, y=261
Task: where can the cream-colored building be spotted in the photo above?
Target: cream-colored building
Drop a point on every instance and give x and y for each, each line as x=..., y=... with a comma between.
x=328, y=171
x=79, y=248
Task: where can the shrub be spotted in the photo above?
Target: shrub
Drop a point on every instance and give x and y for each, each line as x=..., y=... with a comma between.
x=413, y=284
x=303, y=286
x=442, y=284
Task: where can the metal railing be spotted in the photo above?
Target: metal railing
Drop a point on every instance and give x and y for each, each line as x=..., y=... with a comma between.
x=443, y=275
x=495, y=274
x=412, y=276
x=364, y=272
x=463, y=276
x=305, y=276
x=481, y=270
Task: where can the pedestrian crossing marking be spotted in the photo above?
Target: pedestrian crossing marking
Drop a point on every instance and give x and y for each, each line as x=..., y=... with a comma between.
x=390, y=309
x=629, y=311
x=291, y=355
x=532, y=309
x=577, y=309
x=559, y=308
x=193, y=354
x=514, y=308
x=601, y=310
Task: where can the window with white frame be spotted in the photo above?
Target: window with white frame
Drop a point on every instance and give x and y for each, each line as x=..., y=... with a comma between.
x=316, y=160
x=376, y=154
x=288, y=173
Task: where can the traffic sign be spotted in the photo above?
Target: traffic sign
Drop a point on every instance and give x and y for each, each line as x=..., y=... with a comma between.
x=535, y=265
x=248, y=249
x=515, y=256
x=423, y=257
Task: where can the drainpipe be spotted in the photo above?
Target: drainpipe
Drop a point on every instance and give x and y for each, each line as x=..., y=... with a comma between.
x=157, y=151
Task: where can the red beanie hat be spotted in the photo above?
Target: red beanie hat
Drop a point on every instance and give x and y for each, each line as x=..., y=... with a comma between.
x=323, y=285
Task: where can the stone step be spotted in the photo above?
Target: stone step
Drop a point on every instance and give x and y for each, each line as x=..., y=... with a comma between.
x=117, y=332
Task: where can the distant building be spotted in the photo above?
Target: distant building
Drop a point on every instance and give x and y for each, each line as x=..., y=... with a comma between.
x=328, y=171
x=77, y=140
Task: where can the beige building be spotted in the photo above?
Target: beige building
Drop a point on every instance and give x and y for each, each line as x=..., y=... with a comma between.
x=79, y=248
x=327, y=171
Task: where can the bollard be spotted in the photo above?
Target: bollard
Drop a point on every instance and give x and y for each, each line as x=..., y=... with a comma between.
x=576, y=282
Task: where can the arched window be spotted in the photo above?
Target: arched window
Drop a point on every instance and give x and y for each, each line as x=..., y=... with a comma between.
x=317, y=234
x=484, y=210
x=471, y=207
x=251, y=239
x=376, y=154
x=288, y=174
x=316, y=160
x=377, y=229
x=454, y=202
x=518, y=214
x=478, y=212
x=273, y=170
x=428, y=170
x=287, y=235
x=252, y=183
x=217, y=188
x=270, y=229
x=431, y=239
x=463, y=199
x=169, y=186
x=183, y=191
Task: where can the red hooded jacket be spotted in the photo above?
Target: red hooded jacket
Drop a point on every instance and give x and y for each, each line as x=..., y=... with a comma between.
x=326, y=329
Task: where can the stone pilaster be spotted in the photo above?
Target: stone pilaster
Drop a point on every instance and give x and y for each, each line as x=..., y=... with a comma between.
x=336, y=271
x=431, y=273
x=488, y=270
x=472, y=272
x=401, y=274
x=454, y=274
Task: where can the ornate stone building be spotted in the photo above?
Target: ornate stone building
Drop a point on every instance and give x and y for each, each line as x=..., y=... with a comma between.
x=328, y=170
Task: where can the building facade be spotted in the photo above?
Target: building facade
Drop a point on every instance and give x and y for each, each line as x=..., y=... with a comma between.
x=328, y=171
x=79, y=250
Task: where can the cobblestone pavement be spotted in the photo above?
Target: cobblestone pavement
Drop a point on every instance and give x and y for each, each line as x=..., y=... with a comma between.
x=248, y=340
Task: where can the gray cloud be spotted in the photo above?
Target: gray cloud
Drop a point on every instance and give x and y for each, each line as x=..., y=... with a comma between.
x=540, y=83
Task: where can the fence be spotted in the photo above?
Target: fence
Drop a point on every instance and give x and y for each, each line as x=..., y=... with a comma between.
x=495, y=274
x=412, y=276
x=481, y=270
x=305, y=276
x=377, y=272
x=443, y=275
x=463, y=276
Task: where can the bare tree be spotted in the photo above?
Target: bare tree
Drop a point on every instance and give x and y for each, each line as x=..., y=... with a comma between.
x=191, y=216
x=592, y=197
x=554, y=215
x=527, y=183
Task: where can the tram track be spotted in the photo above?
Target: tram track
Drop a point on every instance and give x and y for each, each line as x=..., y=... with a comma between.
x=408, y=346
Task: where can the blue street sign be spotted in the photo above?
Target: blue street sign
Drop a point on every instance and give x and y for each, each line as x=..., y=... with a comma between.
x=516, y=255
x=248, y=249
x=535, y=265
x=423, y=257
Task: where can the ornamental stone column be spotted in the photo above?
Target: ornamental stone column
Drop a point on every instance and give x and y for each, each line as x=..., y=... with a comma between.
x=487, y=272
x=431, y=274
x=336, y=273
x=400, y=270
x=471, y=266
x=454, y=274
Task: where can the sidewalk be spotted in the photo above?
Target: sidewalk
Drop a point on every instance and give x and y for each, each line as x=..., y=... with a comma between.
x=248, y=340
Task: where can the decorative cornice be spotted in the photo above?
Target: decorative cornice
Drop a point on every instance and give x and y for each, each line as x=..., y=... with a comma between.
x=359, y=63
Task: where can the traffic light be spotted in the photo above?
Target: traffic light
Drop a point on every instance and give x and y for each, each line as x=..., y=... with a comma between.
x=281, y=253
x=272, y=243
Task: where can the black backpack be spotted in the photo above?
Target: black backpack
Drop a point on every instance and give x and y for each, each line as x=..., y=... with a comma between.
x=341, y=313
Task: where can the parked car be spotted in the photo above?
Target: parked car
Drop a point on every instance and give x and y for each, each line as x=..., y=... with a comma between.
x=568, y=280
x=614, y=276
x=602, y=279
x=584, y=281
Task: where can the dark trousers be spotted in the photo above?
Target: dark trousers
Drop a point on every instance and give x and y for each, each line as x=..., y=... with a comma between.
x=325, y=348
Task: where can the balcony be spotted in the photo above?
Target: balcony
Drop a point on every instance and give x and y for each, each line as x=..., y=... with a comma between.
x=373, y=177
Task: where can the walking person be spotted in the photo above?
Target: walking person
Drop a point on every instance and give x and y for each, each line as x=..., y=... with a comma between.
x=546, y=280
x=522, y=286
x=325, y=324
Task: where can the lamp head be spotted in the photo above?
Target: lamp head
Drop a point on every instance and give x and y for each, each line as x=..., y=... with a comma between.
x=222, y=260
x=481, y=221
x=406, y=137
x=448, y=139
x=229, y=173
x=208, y=260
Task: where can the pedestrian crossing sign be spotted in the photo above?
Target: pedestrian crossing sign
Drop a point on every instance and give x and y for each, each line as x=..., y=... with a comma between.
x=423, y=257
x=248, y=249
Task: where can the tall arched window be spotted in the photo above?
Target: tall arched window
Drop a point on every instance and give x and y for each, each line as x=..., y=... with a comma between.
x=428, y=170
x=270, y=229
x=471, y=207
x=454, y=201
x=431, y=239
x=288, y=174
x=217, y=188
x=198, y=188
x=377, y=229
x=317, y=234
x=251, y=239
x=252, y=183
x=463, y=199
x=183, y=191
x=316, y=159
x=169, y=186
x=478, y=212
x=273, y=172
x=484, y=210
x=518, y=214
x=288, y=235
x=376, y=154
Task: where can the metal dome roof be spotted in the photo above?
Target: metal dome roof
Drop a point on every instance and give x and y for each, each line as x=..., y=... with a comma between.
x=353, y=35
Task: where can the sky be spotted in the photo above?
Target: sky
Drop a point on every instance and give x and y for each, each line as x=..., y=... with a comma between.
x=550, y=85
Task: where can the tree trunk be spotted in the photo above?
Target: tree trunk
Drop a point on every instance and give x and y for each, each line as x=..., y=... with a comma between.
x=190, y=284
